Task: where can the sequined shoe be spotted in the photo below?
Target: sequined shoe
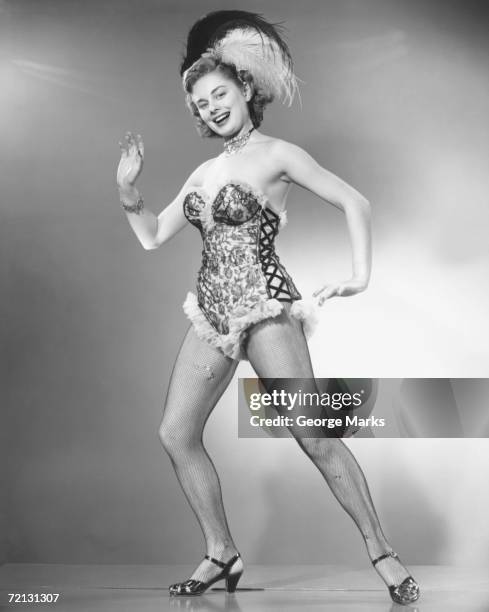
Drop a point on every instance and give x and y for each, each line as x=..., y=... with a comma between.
x=197, y=587
x=405, y=593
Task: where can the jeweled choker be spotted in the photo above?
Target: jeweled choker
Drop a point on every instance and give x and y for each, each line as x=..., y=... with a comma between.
x=235, y=144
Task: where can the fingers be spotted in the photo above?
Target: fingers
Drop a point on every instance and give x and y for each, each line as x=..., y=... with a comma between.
x=344, y=289
x=326, y=295
x=340, y=290
x=123, y=149
x=140, y=145
x=326, y=292
x=132, y=145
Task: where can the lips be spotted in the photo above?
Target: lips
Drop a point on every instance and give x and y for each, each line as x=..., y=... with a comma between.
x=221, y=118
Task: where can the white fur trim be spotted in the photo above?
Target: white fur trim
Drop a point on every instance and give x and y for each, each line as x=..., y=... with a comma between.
x=230, y=344
x=307, y=312
x=204, y=329
x=283, y=219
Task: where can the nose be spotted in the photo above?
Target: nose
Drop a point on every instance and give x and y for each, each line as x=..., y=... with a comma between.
x=213, y=108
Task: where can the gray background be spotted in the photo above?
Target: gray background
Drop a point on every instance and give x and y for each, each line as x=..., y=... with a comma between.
x=394, y=100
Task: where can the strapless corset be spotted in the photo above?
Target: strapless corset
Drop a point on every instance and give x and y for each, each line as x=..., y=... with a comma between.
x=241, y=279
x=234, y=203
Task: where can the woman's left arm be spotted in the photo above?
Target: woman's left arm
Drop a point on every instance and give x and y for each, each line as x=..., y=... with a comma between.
x=299, y=167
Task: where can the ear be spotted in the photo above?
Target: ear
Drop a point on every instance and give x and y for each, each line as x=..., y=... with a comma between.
x=247, y=91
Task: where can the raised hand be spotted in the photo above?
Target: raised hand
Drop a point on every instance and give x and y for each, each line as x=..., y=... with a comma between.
x=347, y=288
x=131, y=162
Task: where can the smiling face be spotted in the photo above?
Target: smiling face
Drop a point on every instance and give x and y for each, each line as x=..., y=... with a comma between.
x=222, y=104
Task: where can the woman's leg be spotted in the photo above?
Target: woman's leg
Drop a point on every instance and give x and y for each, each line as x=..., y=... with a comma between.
x=200, y=376
x=277, y=348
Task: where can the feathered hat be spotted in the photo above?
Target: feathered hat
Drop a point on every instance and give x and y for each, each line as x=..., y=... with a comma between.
x=249, y=42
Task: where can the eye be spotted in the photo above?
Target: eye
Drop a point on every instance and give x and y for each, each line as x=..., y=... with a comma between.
x=202, y=105
x=221, y=94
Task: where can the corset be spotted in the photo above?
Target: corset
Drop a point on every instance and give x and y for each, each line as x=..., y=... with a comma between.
x=240, y=271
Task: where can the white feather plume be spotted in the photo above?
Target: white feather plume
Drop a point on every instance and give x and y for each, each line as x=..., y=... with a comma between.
x=269, y=66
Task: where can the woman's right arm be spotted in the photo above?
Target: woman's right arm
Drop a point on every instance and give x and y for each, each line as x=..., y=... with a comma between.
x=151, y=230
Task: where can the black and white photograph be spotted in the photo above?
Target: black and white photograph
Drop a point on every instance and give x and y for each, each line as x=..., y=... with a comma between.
x=244, y=265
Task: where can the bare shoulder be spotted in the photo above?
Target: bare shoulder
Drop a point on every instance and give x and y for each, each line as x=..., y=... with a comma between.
x=282, y=150
x=197, y=177
x=286, y=157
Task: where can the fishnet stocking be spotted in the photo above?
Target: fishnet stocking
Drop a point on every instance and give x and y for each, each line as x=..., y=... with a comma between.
x=200, y=376
x=276, y=348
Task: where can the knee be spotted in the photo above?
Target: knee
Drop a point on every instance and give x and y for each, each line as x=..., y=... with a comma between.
x=169, y=437
x=174, y=438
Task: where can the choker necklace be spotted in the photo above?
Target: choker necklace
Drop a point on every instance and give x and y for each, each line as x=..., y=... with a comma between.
x=235, y=144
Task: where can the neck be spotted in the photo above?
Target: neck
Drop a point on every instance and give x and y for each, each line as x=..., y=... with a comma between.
x=237, y=142
x=247, y=127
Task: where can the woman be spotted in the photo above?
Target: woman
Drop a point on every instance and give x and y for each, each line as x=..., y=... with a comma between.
x=247, y=306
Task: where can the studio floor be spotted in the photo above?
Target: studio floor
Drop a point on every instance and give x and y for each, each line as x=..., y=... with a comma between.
x=143, y=588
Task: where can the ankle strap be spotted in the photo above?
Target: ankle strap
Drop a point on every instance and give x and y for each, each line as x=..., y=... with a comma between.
x=389, y=554
x=220, y=563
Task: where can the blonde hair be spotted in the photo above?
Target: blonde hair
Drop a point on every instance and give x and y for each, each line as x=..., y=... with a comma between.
x=207, y=64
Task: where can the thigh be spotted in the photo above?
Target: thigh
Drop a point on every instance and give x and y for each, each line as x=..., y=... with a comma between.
x=277, y=347
x=199, y=377
x=277, y=350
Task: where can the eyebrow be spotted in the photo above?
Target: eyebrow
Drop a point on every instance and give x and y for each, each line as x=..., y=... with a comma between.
x=215, y=89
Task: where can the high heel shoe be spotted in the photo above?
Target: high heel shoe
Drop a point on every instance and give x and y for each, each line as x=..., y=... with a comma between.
x=197, y=587
x=405, y=593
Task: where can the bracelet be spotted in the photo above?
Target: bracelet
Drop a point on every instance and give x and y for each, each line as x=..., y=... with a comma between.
x=134, y=208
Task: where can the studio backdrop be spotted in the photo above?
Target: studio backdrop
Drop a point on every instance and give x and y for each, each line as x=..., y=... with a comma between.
x=394, y=99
